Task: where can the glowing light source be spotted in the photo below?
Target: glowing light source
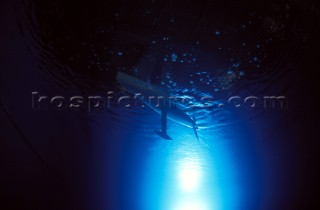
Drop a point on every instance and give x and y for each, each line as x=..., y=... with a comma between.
x=189, y=179
x=189, y=175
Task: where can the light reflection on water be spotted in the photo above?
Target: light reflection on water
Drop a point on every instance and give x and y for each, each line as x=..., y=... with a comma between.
x=189, y=173
x=184, y=174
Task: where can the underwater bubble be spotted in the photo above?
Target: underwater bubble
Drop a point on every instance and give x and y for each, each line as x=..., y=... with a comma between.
x=236, y=64
x=255, y=59
x=229, y=72
x=174, y=57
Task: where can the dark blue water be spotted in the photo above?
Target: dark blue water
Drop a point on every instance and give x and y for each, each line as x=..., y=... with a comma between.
x=245, y=158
